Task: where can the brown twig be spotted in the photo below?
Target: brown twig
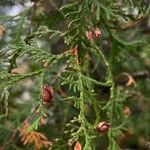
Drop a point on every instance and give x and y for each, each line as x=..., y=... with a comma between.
x=125, y=78
x=130, y=24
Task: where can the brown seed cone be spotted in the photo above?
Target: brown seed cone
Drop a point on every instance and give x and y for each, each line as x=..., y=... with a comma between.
x=47, y=95
x=77, y=146
x=103, y=127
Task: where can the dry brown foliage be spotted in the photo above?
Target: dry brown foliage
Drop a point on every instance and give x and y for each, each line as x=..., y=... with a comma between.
x=33, y=137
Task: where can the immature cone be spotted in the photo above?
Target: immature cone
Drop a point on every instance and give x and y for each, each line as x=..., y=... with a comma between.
x=103, y=127
x=75, y=51
x=98, y=32
x=90, y=35
x=93, y=34
x=77, y=146
x=45, y=63
x=43, y=121
x=127, y=111
x=47, y=95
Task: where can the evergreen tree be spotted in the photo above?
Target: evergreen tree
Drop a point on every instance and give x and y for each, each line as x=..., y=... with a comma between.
x=75, y=75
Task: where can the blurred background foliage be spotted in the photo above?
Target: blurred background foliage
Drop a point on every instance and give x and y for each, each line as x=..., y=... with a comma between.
x=131, y=70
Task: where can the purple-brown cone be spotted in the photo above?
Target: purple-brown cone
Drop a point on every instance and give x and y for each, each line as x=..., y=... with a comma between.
x=47, y=94
x=103, y=127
